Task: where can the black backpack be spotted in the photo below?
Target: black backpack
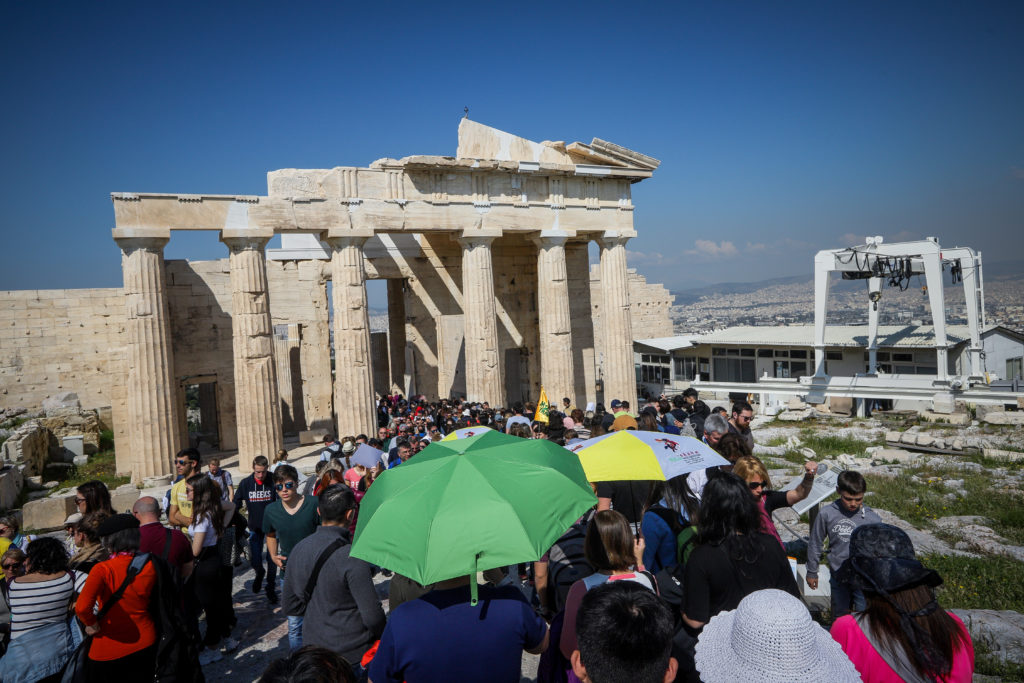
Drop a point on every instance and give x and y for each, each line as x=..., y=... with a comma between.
x=177, y=658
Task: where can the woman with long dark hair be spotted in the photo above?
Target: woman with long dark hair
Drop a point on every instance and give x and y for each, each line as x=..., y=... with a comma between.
x=904, y=634
x=615, y=555
x=671, y=507
x=733, y=558
x=209, y=521
x=93, y=496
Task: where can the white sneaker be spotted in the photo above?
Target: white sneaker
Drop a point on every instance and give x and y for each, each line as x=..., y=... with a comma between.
x=228, y=645
x=208, y=656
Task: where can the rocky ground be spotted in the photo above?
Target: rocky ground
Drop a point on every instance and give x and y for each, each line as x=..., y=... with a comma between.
x=958, y=492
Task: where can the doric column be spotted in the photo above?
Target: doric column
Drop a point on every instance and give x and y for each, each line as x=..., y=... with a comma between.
x=483, y=370
x=257, y=395
x=353, y=371
x=577, y=265
x=153, y=434
x=396, y=335
x=619, y=372
x=555, y=323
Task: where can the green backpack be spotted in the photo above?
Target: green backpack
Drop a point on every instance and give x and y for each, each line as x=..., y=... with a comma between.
x=686, y=536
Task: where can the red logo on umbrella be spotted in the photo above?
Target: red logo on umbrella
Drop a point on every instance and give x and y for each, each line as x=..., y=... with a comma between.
x=470, y=433
x=669, y=444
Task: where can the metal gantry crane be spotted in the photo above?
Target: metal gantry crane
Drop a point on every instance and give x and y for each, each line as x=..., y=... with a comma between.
x=893, y=265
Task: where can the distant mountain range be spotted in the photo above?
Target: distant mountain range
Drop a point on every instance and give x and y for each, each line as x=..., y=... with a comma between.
x=994, y=271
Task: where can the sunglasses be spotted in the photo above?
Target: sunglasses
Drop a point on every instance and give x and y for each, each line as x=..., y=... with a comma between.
x=755, y=485
x=287, y=485
x=182, y=462
x=79, y=500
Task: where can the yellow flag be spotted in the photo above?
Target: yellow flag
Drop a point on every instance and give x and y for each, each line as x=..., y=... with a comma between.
x=542, y=407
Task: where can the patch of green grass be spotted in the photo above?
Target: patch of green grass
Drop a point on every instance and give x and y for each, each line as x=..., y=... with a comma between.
x=826, y=445
x=100, y=466
x=777, y=441
x=920, y=503
x=987, y=663
x=979, y=582
x=107, y=440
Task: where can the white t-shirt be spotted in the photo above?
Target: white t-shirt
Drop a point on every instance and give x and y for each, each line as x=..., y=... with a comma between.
x=203, y=526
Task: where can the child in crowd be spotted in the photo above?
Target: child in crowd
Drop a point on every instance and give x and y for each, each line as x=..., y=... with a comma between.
x=837, y=521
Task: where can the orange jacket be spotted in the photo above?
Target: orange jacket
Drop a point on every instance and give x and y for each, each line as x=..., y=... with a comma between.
x=127, y=627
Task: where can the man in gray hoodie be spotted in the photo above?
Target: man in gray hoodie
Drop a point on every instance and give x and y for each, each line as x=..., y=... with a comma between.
x=341, y=609
x=837, y=521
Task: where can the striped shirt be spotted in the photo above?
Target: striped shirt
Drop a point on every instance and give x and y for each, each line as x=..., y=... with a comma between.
x=39, y=603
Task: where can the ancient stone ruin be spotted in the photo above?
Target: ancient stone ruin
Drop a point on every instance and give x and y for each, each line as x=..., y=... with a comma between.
x=490, y=295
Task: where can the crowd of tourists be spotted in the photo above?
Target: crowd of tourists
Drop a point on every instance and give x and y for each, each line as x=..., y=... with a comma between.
x=685, y=579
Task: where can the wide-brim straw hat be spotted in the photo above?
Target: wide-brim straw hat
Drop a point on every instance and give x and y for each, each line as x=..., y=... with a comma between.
x=770, y=638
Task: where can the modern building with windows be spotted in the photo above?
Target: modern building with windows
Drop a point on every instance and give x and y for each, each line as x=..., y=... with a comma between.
x=745, y=354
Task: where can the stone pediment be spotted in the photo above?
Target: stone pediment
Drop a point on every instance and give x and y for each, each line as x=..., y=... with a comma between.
x=477, y=141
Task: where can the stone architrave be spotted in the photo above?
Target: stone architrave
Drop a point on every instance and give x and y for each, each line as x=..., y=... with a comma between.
x=353, y=371
x=619, y=372
x=257, y=395
x=483, y=372
x=554, y=321
x=396, y=336
x=154, y=437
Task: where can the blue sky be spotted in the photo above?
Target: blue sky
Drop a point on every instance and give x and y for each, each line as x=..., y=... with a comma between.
x=783, y=128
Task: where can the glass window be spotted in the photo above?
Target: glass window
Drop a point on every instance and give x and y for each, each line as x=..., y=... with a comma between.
x=747, y=353
x=883, y=355
x=904, y=369
x=798, y=353
x=1014, y=367
x=718, y=351
x=835, y=355
x=798, y=368
x=764, y=353
x=781, y=368
x=927, y=370
x=903, y=357
x=782, y=353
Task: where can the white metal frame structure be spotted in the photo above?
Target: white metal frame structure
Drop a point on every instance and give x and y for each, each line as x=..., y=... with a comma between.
x=883, y=264
x=877, y=262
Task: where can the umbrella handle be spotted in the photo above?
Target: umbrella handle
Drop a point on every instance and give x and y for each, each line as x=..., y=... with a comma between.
x=473, y=587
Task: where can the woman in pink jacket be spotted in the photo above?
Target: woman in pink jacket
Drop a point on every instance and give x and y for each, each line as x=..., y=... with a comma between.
x=903, y=635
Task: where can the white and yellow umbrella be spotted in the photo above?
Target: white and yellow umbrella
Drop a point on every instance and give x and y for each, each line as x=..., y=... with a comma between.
x=630, y=455
x=466, y=432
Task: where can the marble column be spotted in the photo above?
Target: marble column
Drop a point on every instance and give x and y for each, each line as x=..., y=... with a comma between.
x=554, y=321
x=396, y=335
x=354, y=402
x=153, y=412
x=483, y=369
x=577, y=264
x=619, y=373
x=257, y=394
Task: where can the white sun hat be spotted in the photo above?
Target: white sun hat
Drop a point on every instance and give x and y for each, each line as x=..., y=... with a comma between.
x=770, y=638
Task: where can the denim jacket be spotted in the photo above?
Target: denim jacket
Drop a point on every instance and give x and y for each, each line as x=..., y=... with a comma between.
x=36, y=654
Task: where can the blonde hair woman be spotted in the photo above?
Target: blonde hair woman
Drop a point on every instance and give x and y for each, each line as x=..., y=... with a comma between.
x=750, y=469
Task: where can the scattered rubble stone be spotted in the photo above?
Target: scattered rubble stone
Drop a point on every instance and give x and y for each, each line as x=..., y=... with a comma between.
x=1002, y=632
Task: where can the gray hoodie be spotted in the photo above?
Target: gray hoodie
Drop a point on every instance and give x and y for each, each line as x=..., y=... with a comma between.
x=836, y=523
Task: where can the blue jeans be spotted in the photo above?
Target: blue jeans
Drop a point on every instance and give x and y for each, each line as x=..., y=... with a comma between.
x=256, y=555
x=843, y=597
x=294, y=623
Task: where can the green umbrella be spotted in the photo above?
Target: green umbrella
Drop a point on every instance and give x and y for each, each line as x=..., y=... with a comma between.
x=459, y=507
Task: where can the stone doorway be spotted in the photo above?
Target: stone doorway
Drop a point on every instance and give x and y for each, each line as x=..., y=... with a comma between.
x=517, y=375
x=201, y=412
